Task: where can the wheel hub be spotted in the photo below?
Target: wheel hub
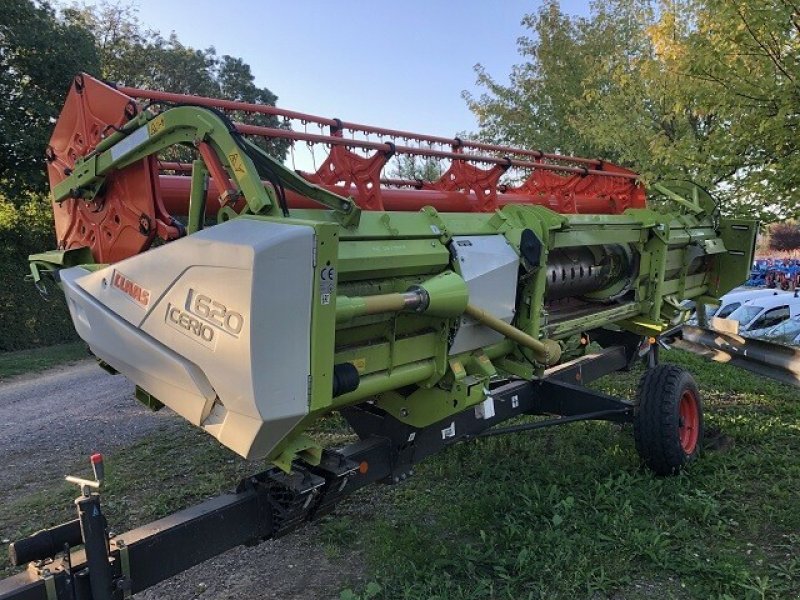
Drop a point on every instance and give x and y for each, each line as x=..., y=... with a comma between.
x=688, y=421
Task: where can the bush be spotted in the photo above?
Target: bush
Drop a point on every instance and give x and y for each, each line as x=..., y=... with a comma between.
x=28, y=320
x=784, y=236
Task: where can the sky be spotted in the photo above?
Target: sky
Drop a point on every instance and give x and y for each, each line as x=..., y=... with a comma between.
x=400, y=64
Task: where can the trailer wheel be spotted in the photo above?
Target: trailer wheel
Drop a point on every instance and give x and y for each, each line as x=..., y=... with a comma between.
x=668, y=420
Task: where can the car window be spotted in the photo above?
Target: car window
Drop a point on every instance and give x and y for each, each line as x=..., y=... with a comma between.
x=771, y=317
x=727, y=310
x=744, y=314
x=789, y=328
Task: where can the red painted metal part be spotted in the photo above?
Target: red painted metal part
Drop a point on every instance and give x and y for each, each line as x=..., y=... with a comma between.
x=689, y=421
x=481, y=182
x=217, y=171
x=127, y=216
x=136, y=203
x=565, y=184
x=340, y=125
x=349, y=170
x=411, y=194
x=175, y=192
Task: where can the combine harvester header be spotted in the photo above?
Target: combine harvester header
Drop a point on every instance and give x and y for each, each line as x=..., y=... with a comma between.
x=253, y=300
x=306, y=296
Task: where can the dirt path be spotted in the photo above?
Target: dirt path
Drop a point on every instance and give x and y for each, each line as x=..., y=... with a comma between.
x=53, y=420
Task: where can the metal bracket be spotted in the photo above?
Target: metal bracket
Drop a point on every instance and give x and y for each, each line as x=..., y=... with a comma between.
x=126, y=583
x=49, y=584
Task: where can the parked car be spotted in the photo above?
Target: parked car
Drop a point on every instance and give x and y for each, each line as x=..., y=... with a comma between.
x=730, y=302
x=787, y=332
x=733, y=300
x=755, y=316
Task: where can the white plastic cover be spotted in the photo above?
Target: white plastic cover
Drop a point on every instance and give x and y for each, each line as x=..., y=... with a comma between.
x=215, y=325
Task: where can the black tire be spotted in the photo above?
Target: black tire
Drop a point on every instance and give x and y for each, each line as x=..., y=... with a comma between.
x=668, y=420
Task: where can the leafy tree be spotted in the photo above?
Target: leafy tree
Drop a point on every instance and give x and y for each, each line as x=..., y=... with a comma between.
x=746, y=55
x=407, y=166
x=539, y=108
x=39, y=55
x=139, y=57
x=40, y=52
x=698, y=89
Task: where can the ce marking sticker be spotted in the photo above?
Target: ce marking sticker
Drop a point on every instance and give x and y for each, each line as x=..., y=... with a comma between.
x=327, y=283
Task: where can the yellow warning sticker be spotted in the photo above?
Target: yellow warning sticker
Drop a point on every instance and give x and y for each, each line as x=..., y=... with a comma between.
x=360, y=364
x=235, y=160
x=156, y=125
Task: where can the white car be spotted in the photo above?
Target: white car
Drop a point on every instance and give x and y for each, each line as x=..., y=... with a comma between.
x=731, y=301
x=755, y=316
x=787, y=332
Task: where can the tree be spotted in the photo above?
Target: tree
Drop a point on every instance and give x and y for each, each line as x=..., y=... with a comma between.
x=140, y=57
x=747, y=56
x=40, y=52
x=572, y=65
x=407, y=166
x=694, y=89
x=784, y=237
x=39, y=55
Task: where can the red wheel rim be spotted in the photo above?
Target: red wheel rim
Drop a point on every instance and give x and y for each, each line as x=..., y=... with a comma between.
x=689, y=421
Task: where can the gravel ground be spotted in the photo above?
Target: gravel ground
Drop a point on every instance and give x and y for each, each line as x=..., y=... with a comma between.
x=70, y=412
x=80, y=409
x=294, y=567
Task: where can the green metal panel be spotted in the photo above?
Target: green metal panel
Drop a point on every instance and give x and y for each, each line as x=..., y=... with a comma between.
x=595, y=237
x=733, y=267
x=385, y=356
x=599, y=318
x=371, y=258
x=692, y=281
x=379, y=383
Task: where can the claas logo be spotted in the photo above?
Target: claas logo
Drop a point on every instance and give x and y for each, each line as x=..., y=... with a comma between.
x=133, y=290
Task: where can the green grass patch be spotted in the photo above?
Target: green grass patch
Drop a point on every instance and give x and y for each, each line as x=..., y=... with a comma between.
x=38, y=359
x=163, y=472
x=566, y=512
x=570, y=513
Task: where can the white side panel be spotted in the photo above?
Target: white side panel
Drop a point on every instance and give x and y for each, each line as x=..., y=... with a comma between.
x=234, y=300
x=490, y=266
x=140, y=358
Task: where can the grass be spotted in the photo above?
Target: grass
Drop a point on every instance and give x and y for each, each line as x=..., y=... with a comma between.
x=38, y=359
x=161, y=473
x=561, y=513
x=569, y=513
